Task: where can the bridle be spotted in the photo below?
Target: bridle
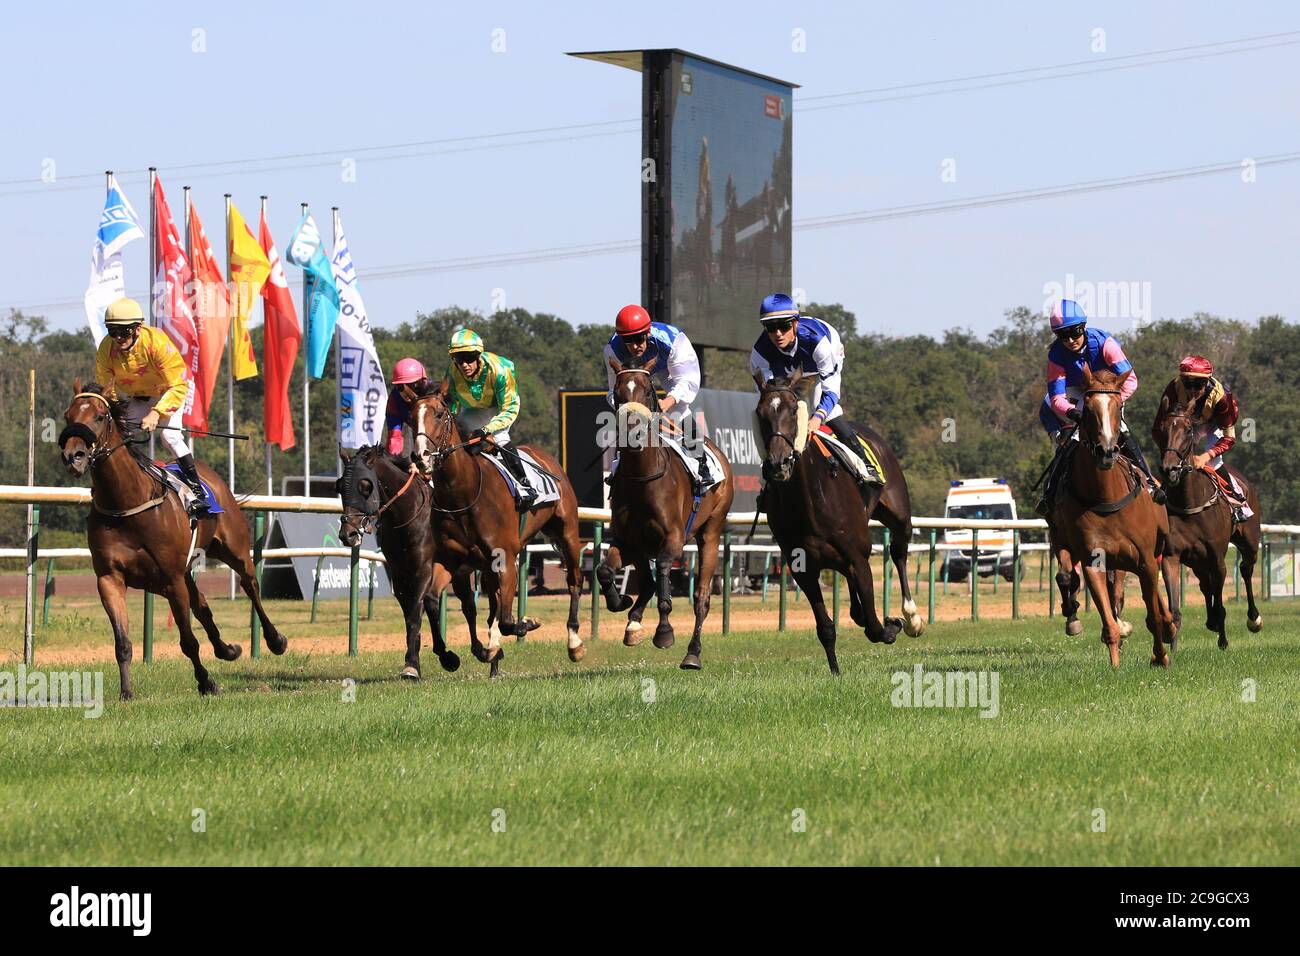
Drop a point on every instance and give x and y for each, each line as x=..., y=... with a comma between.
x=791, y=458
x=96, y=451
x=1184, y=469
x=663, y=469
x=370, y=520
x=440, y=454
x=1083, y=432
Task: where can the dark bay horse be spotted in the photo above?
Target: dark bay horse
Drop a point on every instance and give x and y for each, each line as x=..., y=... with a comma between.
x=820, y=518
x=476, y=526
x=651, y=505
x=1104, y=519
x=1200, y=527
x=383, y=492
x=140, y=535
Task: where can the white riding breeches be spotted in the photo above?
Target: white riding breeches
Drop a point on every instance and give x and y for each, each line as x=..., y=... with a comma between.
x=172, y=437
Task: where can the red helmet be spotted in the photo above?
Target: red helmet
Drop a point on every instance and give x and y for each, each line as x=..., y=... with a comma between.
x=408, y=370
x=632, y=320
x=1195, y=366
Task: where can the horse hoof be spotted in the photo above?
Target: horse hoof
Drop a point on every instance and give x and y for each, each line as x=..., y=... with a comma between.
x=126, y=695
x=276, y=643
x=230, y=652
x=1256, y=625
x=1162, y=661
x=1223, y=643
x=1074, y=627
x=664, y=637
x=691, y=662
x=493, y=654
x=632, y=635
x=480, y=653
x=450, y=661
x=209, y=688
x=889, y=633
x=1114, y=655
x=1125, y=629
x=529, y=624
x=577, y=653
x=409, y=673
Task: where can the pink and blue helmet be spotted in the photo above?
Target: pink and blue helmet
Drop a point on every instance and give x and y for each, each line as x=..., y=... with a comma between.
x=1066, y=314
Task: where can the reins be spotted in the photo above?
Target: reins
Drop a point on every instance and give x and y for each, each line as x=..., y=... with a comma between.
x=1217, y=491
x=99, y=453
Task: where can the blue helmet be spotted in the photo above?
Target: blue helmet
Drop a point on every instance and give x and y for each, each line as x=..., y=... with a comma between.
x=1066, y=314
x=778, y=305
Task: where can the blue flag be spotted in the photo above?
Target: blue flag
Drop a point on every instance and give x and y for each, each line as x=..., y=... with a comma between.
x=307, y=252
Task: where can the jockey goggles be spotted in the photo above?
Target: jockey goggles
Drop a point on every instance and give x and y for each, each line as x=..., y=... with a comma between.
x=1071, y=333
x=1194, y=383
x=122, y=331
x=778, y=325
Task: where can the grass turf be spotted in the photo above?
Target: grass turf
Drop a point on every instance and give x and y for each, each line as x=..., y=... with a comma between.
x=571, y=764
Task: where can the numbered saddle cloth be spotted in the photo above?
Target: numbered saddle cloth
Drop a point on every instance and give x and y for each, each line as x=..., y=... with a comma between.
x=852, y=457
x=692, y=463
x=172, y=473
x=544, y=486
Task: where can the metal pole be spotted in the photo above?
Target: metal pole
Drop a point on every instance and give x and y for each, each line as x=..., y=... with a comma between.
x=596, y=535
x=306, y=377
x=315, y=587
x=354, y=563
x=888, y=574
x=255, y=622
x=1015, y=575
x=153, y=262
x=726, y=582
x=934, y=535
x=230, y=379
x=338, y=370
x=767, y=565
x=784, y=585
x=49, y=590
x=523, y=589
x=975, y=574
x=270, y=488
x=33, y=527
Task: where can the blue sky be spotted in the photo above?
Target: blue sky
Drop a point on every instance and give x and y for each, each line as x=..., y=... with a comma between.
x=121, y=87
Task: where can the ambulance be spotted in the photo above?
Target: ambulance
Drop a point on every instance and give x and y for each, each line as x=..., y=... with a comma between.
x=984, y=498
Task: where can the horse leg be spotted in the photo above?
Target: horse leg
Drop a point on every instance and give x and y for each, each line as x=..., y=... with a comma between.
x=1116, y=581
x=1096, y=580
x=412, y=605
x=645, y=589
x=707, y=545
x=605, y=575
x=1159, y=620
x=861, y=582
x=1249, y=551
x=1170, y=570
x=243, y=567
x=224, y=651
x=1068, y=583
x=463, y=584
x=809, y=582
x=1216, y=616
x=664, y=637
x=112, y=594
x=567, y=545
x=433, y=598
x=913, y=623
x=178, y=597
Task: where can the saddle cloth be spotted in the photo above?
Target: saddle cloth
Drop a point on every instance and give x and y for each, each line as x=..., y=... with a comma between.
x=1232, y=490
x=172, y=474
x=692, y=465
x=848, y=457
x=546, y=487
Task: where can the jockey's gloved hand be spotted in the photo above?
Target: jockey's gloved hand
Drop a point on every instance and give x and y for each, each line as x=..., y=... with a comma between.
x=1074, y=414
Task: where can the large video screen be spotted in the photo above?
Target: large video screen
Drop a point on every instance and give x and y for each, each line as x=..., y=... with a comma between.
x=730, y=162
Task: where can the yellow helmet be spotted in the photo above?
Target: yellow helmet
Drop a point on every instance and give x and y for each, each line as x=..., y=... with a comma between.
x=124, y=312
x=465, y=340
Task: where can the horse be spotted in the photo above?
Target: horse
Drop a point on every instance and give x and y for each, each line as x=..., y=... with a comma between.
x=652, y=512
x=141, y=537
x=476, y=526
x=1104, y=519
x=1069, y=582
x=821, y=519
x=382, y=492
x=1200, y=527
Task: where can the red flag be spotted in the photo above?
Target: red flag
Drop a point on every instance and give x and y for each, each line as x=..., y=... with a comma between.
x=172, y=277
x=212, y=317
x=282, y=336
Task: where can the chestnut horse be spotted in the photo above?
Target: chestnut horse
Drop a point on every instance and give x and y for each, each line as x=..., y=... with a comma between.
x=140, y=535
x=1106, y=521
x=381, y=492
x=821, y=519
x=652, y=512
x=1200, y=527
x=476, y=526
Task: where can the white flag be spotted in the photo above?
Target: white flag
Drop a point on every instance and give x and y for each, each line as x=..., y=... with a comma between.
x=118, y=225
x=361, y=391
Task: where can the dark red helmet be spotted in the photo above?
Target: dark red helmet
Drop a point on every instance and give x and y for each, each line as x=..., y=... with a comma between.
x=632, y=320
x=1195, y=366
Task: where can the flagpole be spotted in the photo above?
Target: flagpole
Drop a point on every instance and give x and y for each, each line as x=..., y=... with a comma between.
x=153, y=259
x=306, y=376
x=230, y=378
x=269, y=488
x=189, y=257
x=338, y=370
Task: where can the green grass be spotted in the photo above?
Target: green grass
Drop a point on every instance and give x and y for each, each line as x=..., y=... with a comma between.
x=586, y=772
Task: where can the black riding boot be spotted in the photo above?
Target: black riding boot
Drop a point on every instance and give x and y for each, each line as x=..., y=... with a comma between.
x=199, y=506
x=1134, y=452
x=516, y=466
x=697, y=451
x=844, y=432
x=1044, y=506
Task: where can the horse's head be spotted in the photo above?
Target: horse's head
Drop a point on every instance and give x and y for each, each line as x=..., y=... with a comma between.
x=634, y=402
x=1102, y=414
x=1178, y=440
x=90, y=422
x=358, y=487
x=782, y=420
x=436, y=431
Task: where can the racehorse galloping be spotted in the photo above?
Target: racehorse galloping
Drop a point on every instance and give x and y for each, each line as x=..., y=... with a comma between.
x=476, y=526
x=1200, y=527
x=653, y=510
x=381, y=491
x=140, y=535
x=820, y=519
x=1103, y=515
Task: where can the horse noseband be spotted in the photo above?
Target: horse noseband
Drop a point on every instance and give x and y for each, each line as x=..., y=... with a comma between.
x=78, y=430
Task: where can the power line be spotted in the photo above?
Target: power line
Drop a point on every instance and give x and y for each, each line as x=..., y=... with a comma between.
x=487, y=141
x=879, y=214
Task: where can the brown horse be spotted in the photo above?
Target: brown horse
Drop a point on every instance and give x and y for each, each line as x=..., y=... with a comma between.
x=382, y=492
x=476, y=526
x=821, y=519
x=1200, y=527
x=140, y=536
x=653, y=510
x=1105, y=519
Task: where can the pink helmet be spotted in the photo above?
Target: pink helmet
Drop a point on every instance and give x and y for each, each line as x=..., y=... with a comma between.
x=408, y=370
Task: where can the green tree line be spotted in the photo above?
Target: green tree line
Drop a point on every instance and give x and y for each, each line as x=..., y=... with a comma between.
x=958, y=406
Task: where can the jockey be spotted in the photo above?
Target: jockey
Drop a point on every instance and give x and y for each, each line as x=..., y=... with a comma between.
x=137, y=364
x=791, y=341
x=1061, y=409
x=484, y=394
x=407, y=372
x=677, y=372
x=1214, y=410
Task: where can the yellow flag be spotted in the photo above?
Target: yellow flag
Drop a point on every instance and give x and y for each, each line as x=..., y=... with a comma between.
x=249, y=269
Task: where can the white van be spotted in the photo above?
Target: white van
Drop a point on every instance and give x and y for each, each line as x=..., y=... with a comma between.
x=980, y=498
